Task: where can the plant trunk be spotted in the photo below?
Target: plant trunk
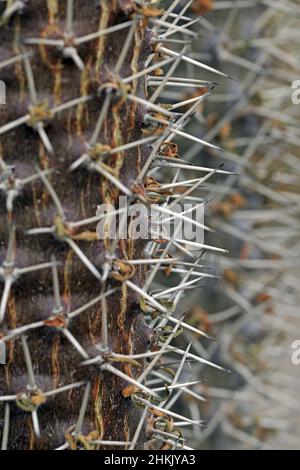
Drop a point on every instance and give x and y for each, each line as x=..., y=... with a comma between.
x=56, y=361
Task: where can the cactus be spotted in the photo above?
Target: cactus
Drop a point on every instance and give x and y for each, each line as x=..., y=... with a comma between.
x=85, y=329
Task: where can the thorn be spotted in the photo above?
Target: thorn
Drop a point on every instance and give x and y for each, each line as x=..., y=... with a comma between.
x=148, y=70
x=71, y=52
x=126, y=47
x=150, y=366
x=100, y=121
x=103, y=32
x=86, y=306
x=172, y=26
x=52, y=193
x=172, y=68
x=185, y=80
x=163, y=187
x=188, y=211
x=146, y=296
x=184, y=27
x=45, y=42
x=154, y=83
x=131, y=145
x=193, y=167
x=69, y=17
x=83, y=258
x=118, y=373
x=81, y=160
x=190, y=328
x=10, y=254
x=65, y=388
x=55, y=281
x=14, y=59
x=35, y=423
x=13, y=124
x=44, y=137
x=174, y=129
x=193, y=273
x=75, y=343
x=95, y=219
x=176, y=437
x=153, y=261
x=35, y=267
x=71, y=103
x=16, y=7
x=193, y=62
x=40, y=231
x=83, y=408
x=171, y=41
x=182, y=12
x=168, y=412
x=200, y=245
x=149, y=105
x=198, y=359
x=5, y=296
x=100, y=169
x=5, y=433
x=180, y=217
x=29, y=366
x=7, y=398
x=111, y=443
x=104, y=320
x=30, y=79
x=145, y=355
x=183, y=18
x=139, y=429
x=176, y=288
x=170, y=9
x=180, y=368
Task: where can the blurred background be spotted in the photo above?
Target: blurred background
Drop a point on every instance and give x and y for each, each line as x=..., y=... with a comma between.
x=252, y=308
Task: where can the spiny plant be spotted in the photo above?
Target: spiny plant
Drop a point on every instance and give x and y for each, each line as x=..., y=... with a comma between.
x=252, y=308
x=87, y=329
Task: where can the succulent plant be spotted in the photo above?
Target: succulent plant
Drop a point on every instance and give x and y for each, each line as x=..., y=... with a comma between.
x=110, y=127
x=85, y=325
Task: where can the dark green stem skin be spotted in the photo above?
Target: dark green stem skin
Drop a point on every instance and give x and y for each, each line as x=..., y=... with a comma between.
x=109, y=415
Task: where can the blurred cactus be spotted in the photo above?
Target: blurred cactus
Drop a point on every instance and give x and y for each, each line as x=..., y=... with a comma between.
x=252, y=309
